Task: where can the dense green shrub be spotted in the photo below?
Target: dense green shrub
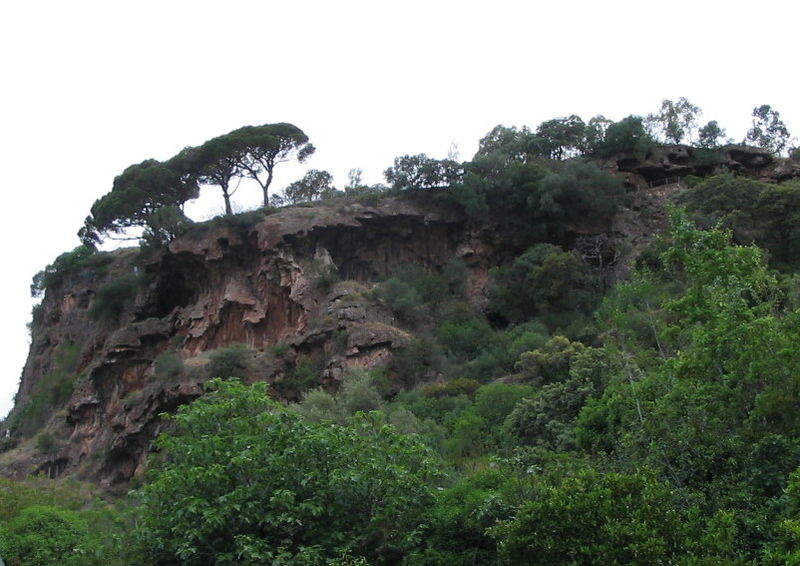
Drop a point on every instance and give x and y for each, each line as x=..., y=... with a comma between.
x=48, y=536
x=357, y=392
x=452, y=388
x=421, y=360
x=115, y=296
x=463, y=333
x=304, y=373
x=545, y=282
x=229, y=361
x=493, y=402
x=412, y=287
x=249, y=482
x=594, y=518
x=626, y=136
x=401, y=297
x=82, y=258
x=725, y=200
x=549, y=363
x=455, y=531
x=169, y=365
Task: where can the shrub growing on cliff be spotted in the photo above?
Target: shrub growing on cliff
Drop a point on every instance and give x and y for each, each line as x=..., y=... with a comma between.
x=114, y=296
x=52, y=391
x=169, y=365
x=229, y=361
x=249, y=482
x=82, y=258
x=304, y=374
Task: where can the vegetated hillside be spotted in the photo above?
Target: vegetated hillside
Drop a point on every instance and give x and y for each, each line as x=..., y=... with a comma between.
x=488, y=319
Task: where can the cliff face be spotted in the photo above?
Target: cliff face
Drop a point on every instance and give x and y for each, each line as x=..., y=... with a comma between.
x=269, y=286
x=293, y=287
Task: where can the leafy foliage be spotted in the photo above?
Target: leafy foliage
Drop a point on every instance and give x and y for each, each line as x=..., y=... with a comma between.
x=768, y=130
x=247, y=481
x=544, y=282
x=315, y=185
x=113, y=297
x=626, y=136
x=756, y=211
x=229, y=361
x=260, y=148
x=47, y=522
x=710, y=135
x=420, y=172
x=46, y=536
x=676, y=120
x=593, y=518
x=82, y=259
x=138, y=193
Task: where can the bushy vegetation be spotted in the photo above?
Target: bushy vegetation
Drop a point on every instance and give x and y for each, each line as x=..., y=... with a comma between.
x=757, y=212
x=670, y=441
x=169, y=365
x=563, y=423
x=82, y=259
x=115, y=296
x=229, y=361
x=48, y=522
x=50, y=393
x=279, y=489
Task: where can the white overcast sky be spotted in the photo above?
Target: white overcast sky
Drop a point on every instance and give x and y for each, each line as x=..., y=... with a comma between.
x=89, y=88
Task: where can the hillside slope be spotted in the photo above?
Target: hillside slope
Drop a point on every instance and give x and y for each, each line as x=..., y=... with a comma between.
x=284, y=295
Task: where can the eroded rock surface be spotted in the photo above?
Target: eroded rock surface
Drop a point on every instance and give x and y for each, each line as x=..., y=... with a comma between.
x=270, y=285
x=263, y=286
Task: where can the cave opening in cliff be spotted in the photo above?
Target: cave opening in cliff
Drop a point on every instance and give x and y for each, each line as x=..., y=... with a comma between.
x=176, y=286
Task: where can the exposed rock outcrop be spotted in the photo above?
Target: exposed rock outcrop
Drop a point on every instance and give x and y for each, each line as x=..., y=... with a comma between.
x=269, y=286
x=665, y=163
x=293, y=287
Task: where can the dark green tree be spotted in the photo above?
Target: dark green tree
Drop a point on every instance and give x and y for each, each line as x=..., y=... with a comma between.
x=411, y=172
x=217, y=163
x=726, y=200
x=561, y=137
x=43, y=535
x=137, y=194
x=505, y=140
x=594, y=518
x=626, y=136
x=595, y=133
x=778, y=207
x=544, y=282
x=315, y=185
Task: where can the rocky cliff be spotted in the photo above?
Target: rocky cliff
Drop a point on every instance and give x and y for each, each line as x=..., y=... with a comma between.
x=291, y=287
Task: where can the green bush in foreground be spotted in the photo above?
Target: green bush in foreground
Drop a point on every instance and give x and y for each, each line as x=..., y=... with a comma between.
x=42, y=535
x=244, y=481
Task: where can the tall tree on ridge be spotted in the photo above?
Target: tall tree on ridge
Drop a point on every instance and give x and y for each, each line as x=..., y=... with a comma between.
x=260, y=148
